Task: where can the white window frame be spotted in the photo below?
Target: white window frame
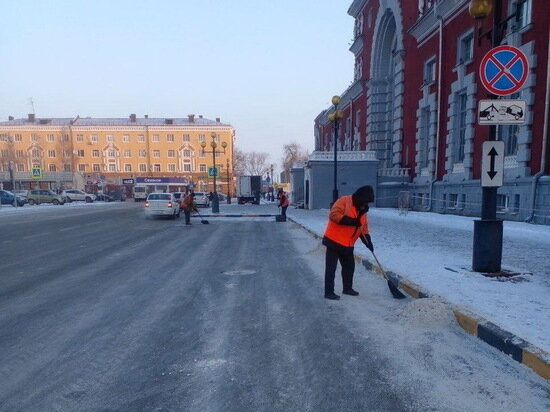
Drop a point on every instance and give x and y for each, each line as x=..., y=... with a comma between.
x=462, y=59
x=430, y=67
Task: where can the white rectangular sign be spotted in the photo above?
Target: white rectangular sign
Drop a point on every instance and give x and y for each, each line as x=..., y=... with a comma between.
x=501, y=111
x=492, y=164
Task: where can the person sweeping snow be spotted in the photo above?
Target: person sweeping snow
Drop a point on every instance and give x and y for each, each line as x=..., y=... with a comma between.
x=347, y=222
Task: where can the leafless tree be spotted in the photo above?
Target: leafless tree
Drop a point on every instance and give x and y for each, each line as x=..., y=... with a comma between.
x=256, y=163
x=250, y=163
x=239, y=162
x=292, y=153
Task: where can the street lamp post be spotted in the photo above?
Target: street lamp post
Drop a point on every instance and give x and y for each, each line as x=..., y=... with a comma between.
x=11, y=166
x=335, y=116
x=214, y=145
x=272, y=186
x=228, y=183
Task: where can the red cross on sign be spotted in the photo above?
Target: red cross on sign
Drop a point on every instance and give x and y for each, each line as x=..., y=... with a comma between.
x=504, y=70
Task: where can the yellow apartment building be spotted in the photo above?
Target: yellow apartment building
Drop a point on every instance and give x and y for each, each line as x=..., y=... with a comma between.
x=84, y=152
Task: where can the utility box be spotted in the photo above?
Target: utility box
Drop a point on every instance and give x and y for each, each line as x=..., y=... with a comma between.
x=249, y=189
x=355, y=169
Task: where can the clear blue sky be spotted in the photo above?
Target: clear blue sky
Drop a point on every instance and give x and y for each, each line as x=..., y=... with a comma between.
x=266, y=67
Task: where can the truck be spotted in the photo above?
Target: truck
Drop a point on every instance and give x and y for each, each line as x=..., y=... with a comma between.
x=248, y=189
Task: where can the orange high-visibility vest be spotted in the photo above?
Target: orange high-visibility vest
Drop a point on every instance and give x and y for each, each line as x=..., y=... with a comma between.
x=342, y=234
x=284, y=200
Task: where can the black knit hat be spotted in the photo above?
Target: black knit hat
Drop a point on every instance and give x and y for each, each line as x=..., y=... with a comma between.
x=363, y=195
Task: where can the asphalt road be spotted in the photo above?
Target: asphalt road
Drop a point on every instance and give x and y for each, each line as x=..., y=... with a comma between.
x=102, y=310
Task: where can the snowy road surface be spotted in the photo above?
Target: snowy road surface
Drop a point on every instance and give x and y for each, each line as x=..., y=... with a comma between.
x=104, y=310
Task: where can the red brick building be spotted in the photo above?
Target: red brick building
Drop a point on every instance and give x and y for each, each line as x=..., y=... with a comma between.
x=414, y=101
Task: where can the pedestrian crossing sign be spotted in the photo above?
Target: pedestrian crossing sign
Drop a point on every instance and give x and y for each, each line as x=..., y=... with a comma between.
x=37, y=173
x=212, y=172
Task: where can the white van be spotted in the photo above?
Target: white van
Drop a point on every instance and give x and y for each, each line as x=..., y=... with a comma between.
x=140, y=192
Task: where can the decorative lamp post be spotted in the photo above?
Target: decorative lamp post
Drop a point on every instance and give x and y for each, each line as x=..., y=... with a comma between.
x=334, y=117
x=228, y=183
x=272, y=185
x=214, y=170
x=479, y=9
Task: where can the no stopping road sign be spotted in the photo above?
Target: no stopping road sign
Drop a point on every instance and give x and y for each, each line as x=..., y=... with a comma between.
x=504, y=70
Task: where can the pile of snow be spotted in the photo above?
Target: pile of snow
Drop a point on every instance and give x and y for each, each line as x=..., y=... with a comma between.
x=429, y=312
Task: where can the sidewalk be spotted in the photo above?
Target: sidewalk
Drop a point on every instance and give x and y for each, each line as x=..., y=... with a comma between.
x=431, y=254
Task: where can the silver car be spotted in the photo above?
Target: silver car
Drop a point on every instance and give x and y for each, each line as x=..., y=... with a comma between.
x=162, y=204
x=201, y=199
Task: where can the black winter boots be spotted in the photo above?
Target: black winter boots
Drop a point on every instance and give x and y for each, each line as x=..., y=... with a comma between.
x=332, y=296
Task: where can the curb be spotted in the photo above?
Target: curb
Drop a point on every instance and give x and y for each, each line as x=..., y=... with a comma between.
x=236, y=215
x=519, y=349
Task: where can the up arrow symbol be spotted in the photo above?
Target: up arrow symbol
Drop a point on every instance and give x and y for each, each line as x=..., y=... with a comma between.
x=493, y=153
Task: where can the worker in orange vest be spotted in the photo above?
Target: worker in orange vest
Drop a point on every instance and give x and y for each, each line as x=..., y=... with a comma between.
x=188, y=205
x=347, y=222
x=283, y=202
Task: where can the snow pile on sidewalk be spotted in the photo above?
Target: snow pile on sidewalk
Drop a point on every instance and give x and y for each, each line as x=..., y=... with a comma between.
x=426, y=312
x=435, y=252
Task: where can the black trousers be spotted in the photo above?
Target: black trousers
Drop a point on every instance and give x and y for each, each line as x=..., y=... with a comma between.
x=347, y=261
x=283, y=211
x=187, y=214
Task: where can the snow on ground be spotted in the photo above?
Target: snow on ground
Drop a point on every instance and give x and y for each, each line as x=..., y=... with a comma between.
x=425, y=350
x=435, y=252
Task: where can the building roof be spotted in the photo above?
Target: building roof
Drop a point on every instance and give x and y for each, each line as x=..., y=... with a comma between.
x=116, y=121
x=60, y=121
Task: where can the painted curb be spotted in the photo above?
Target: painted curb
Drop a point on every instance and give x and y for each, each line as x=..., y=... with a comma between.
x=236, y=215
x=518, y=349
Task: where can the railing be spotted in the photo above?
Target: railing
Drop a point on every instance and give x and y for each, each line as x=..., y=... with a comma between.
x=394, y=172
x=344, y=155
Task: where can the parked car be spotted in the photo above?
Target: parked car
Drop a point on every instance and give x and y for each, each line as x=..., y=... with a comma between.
x=117, y=195
x=201, y=199
x=102, y=197
x=8, y=198
x=21, y=193
x=162, y=204
x=35, y=197
x=77, y=195
x=110, y=197
x=179, y=196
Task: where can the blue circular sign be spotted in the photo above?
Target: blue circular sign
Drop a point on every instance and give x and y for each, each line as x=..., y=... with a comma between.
x=504, y=70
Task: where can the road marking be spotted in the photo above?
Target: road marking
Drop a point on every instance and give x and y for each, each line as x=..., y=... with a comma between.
x=37, y=235
x=68, y=228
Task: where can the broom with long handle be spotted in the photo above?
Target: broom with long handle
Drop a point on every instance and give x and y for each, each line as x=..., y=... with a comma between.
x=396, y=293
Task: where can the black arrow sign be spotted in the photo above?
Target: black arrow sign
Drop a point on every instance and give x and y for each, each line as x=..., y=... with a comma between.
x=493, y=153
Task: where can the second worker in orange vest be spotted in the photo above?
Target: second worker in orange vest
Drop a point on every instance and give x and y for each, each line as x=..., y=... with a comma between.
x=347, y=222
